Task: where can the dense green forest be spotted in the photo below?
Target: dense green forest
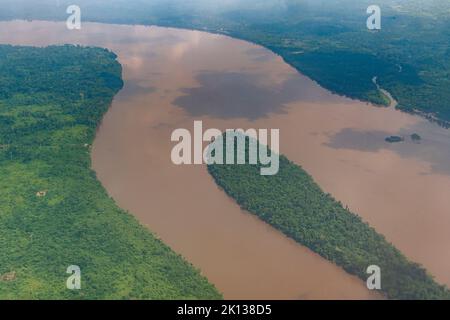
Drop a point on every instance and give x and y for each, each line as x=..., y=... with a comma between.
x=50, y=106
x=325, y=39
x=293, y=203
x=53, y=211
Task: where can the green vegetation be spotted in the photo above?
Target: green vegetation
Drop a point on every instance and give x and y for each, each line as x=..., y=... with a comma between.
x=44, y=128
x=293, y=203
x=326, y=40
x=53, y=211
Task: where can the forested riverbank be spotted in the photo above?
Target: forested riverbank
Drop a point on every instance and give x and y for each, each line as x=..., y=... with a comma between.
x=54, y=213
x=294, y=204
x=327, y=41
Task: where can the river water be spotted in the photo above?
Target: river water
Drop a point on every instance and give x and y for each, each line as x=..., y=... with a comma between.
x=173, y=77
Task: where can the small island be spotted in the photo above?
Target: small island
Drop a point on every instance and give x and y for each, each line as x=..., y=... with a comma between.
x=394, y=139
x=415, y=137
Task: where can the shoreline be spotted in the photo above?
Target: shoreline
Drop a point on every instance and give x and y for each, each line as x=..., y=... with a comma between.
x=298, y=159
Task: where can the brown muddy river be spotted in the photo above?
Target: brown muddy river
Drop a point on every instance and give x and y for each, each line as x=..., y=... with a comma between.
x=173, y=77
